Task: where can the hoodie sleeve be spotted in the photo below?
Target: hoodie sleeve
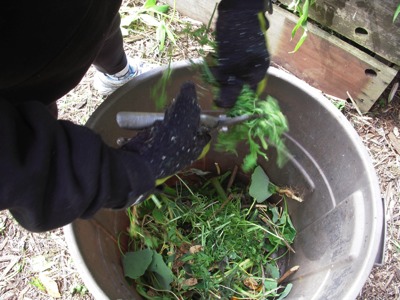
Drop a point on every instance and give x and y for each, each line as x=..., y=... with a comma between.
x=53, y=172
x=256, y=5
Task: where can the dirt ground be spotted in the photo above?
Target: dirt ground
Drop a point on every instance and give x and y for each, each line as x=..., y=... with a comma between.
x=30, y=263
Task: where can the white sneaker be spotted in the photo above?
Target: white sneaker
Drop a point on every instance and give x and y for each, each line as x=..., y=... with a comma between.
x=105, y=84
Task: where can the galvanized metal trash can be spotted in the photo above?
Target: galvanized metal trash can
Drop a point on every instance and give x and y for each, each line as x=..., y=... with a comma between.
x=339, y=223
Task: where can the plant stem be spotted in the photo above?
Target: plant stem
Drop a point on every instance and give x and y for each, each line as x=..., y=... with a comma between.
x=230, y=197
x=156, y=201
x=217, y=185
x=232, y=178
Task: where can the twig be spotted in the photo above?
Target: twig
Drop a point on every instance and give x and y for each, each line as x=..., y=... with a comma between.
x=214, y=294
x=230, y=197
x=389, y=281
x=355, y=104
x=12, y=263
x=289, y=193
x=232, y=178
x=289, y=272
x=217, y=168
x=4, y=243
x=263, y=278
x=7, y=258
x=393, y=92
x=264, y=219
x=334, y=97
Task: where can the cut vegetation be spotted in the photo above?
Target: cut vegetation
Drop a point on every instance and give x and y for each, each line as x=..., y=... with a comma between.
x=199, y=242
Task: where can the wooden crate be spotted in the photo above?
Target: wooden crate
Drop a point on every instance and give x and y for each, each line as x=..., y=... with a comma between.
x=324, y=61
x=367, y=23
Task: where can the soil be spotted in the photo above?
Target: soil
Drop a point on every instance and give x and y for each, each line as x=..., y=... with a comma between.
x=29, y=258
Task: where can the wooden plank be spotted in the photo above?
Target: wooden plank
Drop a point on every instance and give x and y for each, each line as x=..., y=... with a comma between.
x=328, y=63
x=324, y=61
x=366, y=22
x=199, y=10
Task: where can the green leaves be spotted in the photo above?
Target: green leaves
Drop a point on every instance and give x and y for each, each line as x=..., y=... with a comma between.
x=396, y=13
x=162, y=32
x=137, y=263
x=286, y=291
x=163, y=274
x=277, y=218
x=260, y=185
x=267, y=129
x=301, y=7
x=149, y=3
x=208, y=243
x=152, y=15
x=280, y=222
x=272, y=271
x=152, y=5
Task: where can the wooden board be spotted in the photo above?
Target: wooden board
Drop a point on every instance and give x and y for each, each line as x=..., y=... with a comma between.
x=199, y=10
x=366, y=22
x=324, y=61
x=327, y=63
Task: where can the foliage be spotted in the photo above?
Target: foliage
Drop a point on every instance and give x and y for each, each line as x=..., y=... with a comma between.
x=261, y=189
x=136, y=264
x=79, y=289
x=205, y=38
x=340, y=104
x=151, y=15
x=211, y=252
x=37, y=283
x=302, y=8
x=267, y=128
x=159, y=91
x=203, y=35
x=396, y=13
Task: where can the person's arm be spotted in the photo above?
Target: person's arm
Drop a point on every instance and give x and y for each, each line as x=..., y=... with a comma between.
x=52, y=172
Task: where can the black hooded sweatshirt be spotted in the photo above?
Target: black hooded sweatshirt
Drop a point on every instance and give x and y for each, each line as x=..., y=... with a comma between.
x=53, y=171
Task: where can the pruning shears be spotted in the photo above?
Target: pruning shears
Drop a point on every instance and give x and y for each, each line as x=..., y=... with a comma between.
x=143, y=120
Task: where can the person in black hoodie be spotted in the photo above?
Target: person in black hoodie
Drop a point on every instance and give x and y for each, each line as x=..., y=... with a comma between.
x=53, y=171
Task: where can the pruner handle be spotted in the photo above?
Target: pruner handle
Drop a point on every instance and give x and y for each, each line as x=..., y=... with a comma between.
x=141, y=120
x=138, y=120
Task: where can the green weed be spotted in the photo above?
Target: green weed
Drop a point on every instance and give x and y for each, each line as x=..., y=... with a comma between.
x=37, y=284
x=340, y=104
x=79, y=289
x=150, y=15
x=190, y=247
x=301, y=7
x=257, y=133
x=396, y=13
